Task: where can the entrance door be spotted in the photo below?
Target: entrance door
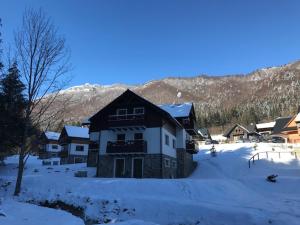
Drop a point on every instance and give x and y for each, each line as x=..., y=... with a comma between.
x=119, y=167
x=137, y=164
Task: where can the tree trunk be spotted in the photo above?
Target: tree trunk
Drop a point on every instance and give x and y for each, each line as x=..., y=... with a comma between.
x=22, y=154
x=20, y=174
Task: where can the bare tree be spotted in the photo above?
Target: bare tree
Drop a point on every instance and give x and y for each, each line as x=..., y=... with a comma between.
x=43, y=59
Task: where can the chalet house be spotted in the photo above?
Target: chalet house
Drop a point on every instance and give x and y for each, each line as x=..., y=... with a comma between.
x=241, y=133
x=75, y=143
x=204, y=133
x=280, y=123
x=291, y=130
x=132, y=137
x=49, y=146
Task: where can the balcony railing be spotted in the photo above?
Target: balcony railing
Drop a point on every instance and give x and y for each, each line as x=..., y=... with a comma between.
x=132, y=146
x=126, y=117
x=191, y=147
x=126, y=120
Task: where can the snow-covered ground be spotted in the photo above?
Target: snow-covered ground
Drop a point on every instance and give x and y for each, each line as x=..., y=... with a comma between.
x=222, y=190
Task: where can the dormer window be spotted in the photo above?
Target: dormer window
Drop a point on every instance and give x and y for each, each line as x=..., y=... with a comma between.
x=139, y=110
x=121, y=111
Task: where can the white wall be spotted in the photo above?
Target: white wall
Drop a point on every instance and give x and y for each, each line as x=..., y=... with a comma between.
x=72, y=149
x=105, y=136
x=151, y=135
x=50, y=149
x=168, y=149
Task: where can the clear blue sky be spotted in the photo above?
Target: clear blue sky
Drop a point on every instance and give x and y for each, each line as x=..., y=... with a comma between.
x=136, y=41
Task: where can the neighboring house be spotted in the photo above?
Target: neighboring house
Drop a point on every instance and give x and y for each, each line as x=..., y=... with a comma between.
x=75, y=143
x=135, y=138
x=265, y=128
x=204, y=133
x=49, y=146
x=280, y=123
x=291, y=131
x=241, y=133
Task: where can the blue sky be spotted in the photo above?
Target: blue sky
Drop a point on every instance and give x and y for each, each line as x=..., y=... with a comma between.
x=137, y=41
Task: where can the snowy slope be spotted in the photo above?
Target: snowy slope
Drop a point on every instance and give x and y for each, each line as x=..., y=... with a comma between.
x=222, y=190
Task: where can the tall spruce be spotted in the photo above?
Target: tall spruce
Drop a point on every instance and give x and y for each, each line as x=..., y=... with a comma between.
x=12, y=109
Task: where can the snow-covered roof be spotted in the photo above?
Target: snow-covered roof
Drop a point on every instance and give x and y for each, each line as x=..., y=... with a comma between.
x=177, y=110
x=52, y=135
x=265, y=125
x=297, y=119
x=86, y=121
x=80, y=132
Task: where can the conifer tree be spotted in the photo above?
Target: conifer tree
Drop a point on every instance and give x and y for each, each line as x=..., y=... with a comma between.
x=12, y=109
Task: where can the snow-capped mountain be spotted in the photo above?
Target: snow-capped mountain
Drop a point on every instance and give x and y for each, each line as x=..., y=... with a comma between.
x=271, y=92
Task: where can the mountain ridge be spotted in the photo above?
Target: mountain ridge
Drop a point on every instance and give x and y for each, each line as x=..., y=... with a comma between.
x=270, y=92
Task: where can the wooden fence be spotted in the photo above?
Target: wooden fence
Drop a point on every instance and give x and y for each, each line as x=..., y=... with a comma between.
x=257, y=157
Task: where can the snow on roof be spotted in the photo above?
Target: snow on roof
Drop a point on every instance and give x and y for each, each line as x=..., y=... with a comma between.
x=52, y=135
x=265, y=125
x=177, y=110
x=297, y=119
x=81, y=132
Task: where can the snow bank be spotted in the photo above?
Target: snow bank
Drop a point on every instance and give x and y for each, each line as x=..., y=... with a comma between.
x=222, y=190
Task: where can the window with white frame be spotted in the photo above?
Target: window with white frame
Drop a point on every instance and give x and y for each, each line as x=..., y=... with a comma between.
x=167, y=139
x=121, y=111
x=54, y=146
x=79, y=148
x=167, y=162
x=138, y=110
x=174, y=143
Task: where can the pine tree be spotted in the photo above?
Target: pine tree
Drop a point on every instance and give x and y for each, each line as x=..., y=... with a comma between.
x=12, y=109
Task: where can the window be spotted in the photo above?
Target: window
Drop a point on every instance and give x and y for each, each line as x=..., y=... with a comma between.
x=121, y=137
x=174, y=143
x=167, y=141
x=174, y=164
x=167, y=162
x=138, y=136
x=121, y=111
x=54, y=146
x=138, y=110
x=186, y=121
x=79, y=148
x=78, y=160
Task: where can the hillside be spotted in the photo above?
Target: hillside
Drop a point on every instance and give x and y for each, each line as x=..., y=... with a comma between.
x=219, y=100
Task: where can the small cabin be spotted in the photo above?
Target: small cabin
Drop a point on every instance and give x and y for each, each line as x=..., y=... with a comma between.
x=75, y=143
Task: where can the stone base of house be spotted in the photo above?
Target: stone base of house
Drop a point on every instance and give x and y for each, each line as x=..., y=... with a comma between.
x=154, y=165
x=71, y=159
x=185, y=163
x=92, y=158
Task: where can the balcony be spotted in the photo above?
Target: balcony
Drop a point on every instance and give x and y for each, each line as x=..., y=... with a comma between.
x=190, y=126
x=123, y=147
x=126, y=120
x=191, y=147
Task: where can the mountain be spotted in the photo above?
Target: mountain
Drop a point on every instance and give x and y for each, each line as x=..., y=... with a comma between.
x=219, y=100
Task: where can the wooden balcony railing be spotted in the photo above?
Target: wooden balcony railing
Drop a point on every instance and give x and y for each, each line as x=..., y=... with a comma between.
x=126, y=120
x=191, y=147
x=123, y=147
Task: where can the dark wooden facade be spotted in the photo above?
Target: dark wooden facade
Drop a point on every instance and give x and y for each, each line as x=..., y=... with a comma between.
x=153, y=116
